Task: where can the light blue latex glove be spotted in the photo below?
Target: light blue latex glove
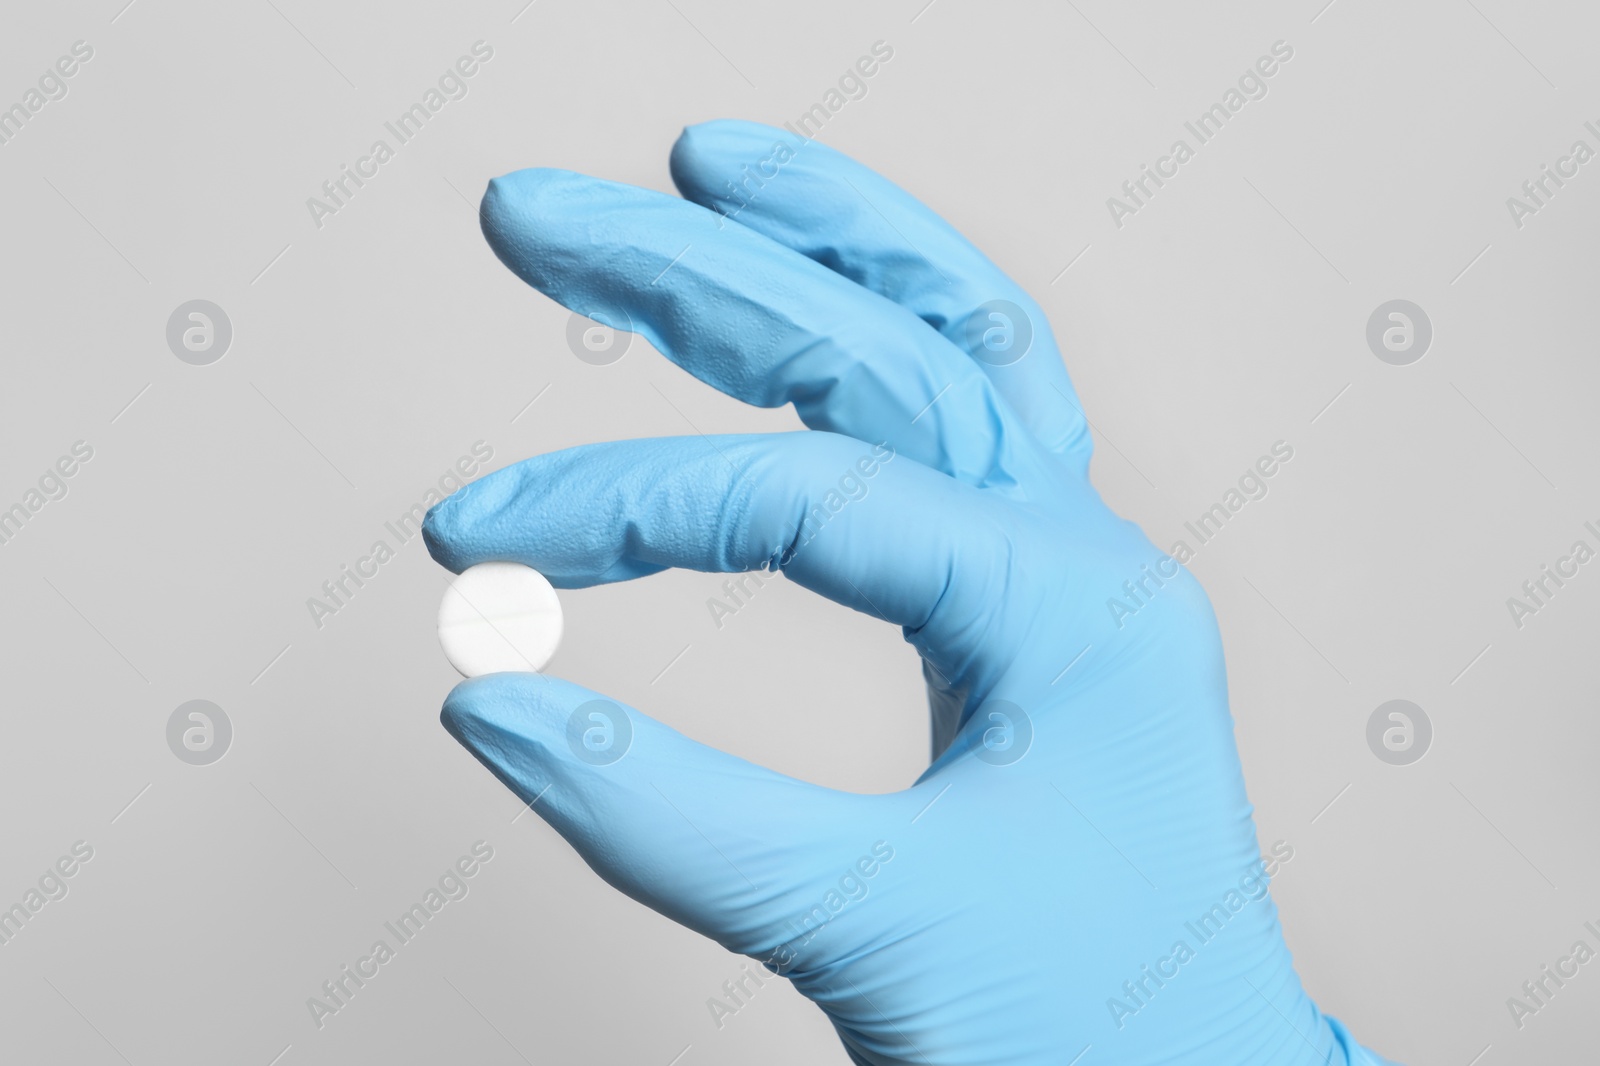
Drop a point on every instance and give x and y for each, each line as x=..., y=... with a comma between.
x=1085, y=812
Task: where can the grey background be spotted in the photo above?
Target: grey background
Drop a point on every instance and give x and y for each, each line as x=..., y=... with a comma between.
x=369, y=355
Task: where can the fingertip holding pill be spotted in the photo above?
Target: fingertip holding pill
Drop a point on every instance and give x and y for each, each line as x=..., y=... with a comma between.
x=499, y=618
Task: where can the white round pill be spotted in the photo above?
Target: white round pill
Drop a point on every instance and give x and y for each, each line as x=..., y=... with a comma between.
x=499, y=618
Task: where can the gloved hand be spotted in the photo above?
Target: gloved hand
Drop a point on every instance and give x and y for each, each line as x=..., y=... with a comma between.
x=1077, y=872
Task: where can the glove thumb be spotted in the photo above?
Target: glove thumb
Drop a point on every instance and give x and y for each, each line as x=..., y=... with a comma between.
x=729, y=849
